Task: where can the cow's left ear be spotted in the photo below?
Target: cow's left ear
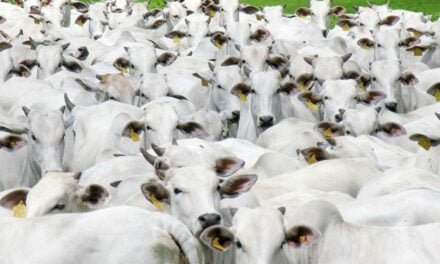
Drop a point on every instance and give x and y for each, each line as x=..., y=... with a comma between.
x=133, y=129
x=371, y=97
x=392, y=129
x=408, y=78
x=425, y=141
x=156, y=194
x=13, y=198
x=389, y=20
x=218, y=238
x=337, y=10
x=192, y=128
x=435, y=91
x=227, y=166
x=236, y=185
x=329, y=129
x=301, y=236
x=314, y=154
x=94, y=196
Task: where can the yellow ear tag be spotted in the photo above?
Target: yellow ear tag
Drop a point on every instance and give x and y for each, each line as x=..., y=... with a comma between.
x=259, y=18
x=302, y=87
x=242, y=97
x=19, y=210
x=12, y=144
x=78, y=22
x=312, y=159
x=134, y=136
x=346, y=27
x=211, y=13
x=204, y=83
x=302, y=239
x=365, y=46
x=156, y=202
x=123, y=69
x=216, y=244
x=425, y=143
x=418, y=52
x=311, y=105
x=328, y=133
x=218, y=45
x=437, y=95
x=362, y=87
x=417, y=34
x=176, y=40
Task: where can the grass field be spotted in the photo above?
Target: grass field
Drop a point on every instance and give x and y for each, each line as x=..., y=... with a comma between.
x=431, y=7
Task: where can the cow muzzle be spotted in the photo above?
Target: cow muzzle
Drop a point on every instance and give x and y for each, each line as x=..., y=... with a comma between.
x=266, y=121
x=392, y=106
x=208, y=220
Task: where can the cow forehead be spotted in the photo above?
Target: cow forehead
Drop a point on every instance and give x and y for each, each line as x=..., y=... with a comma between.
x=265, y=81
x=339, y=88
x=158, y=112
x=268, y=221
x=193, y=177
x=52, y=185
x=46, y=121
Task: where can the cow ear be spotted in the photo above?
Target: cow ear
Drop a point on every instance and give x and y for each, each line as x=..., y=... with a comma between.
x=4, y=46
x=218, y=238
x=310, y=99
x=289, y=88
x=68, y=103
x=309, y=60
x=337, y=10
x=133, y=129
x=301, y=236
x=80, y=7
x=372, y=97
x=303, y=12
x=314, y=154
x=435, y=91
x=424, y=141
x=305, y=82
x=13, y=198
x=282, y=210
x=346, y=57
x=389, y=20
x=26, y=110
x=392, y=129
x=408, y=78
x=227, y=166
x=236, y=185
x=94, y=196
x=12, y=143
x=242, y=91
x=366, y=43
x=193, y=129
x=330, y=129
x=156, y=194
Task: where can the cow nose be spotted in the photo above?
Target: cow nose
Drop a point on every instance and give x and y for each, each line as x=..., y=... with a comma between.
x=235, y=116
x=392, y=106
x=35, y=9
x=338, y=118
x=266, y=121
x=325, y=33
x=96, y=37
x=208, y=220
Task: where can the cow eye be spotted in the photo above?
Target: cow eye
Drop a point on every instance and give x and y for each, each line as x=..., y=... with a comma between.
x=238, y=243
x=380, y=46
x=282, y=244
x=348, y=132
x=34, y=138
x=59, y=207
x=253, y=91
x=374, y=78
x=219, y=86
x=148, y=128
x=326, y=97
x=177, y=191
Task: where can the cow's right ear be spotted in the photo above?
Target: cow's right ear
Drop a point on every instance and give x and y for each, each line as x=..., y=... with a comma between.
x=242, y=91
x=218, y=238
x=371, y=97
x=193, y=129
x=13, y=198
x=303, y=12
x=4, y=45
x=392, y=129
x=80, y=7
x=435, y=91
x=408, y=78
x=301, y=236
x=156, y=194
x=227, y=166
x=314, y=154
x=310, y=99
x=12, y=142
x=236, y=185
x=425, y=141
x=329, y=129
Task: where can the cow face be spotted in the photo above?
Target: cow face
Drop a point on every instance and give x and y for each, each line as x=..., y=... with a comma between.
x=360, y=121
x=46, y=139
x=32, y=6
x=226, y=78
x=328, y=68
x=387, y=44
x=265, y=101
x=388, y=83
x=265, y=246
x=338, y=96
x=49, y=59
x=255, y=56
x=193, y=195
x=59, y=192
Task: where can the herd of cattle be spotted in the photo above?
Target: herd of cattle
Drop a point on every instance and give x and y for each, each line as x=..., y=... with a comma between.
x=217, y=132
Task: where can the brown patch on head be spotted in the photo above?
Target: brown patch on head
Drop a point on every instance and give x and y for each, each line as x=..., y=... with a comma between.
x=157, y=24
x=166, y=58
x=315, y=153
x=14, y=198
x=392, y=129
x=231, y=61
x=260, y=35
x=250, y=10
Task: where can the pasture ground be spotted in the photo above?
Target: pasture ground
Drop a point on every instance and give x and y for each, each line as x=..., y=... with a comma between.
x=431, y=7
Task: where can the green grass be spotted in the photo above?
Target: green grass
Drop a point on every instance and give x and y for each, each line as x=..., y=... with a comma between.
x=431, y=7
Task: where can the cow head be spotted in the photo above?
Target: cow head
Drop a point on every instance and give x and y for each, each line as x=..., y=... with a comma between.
x=59, y=192
x=193, y=195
